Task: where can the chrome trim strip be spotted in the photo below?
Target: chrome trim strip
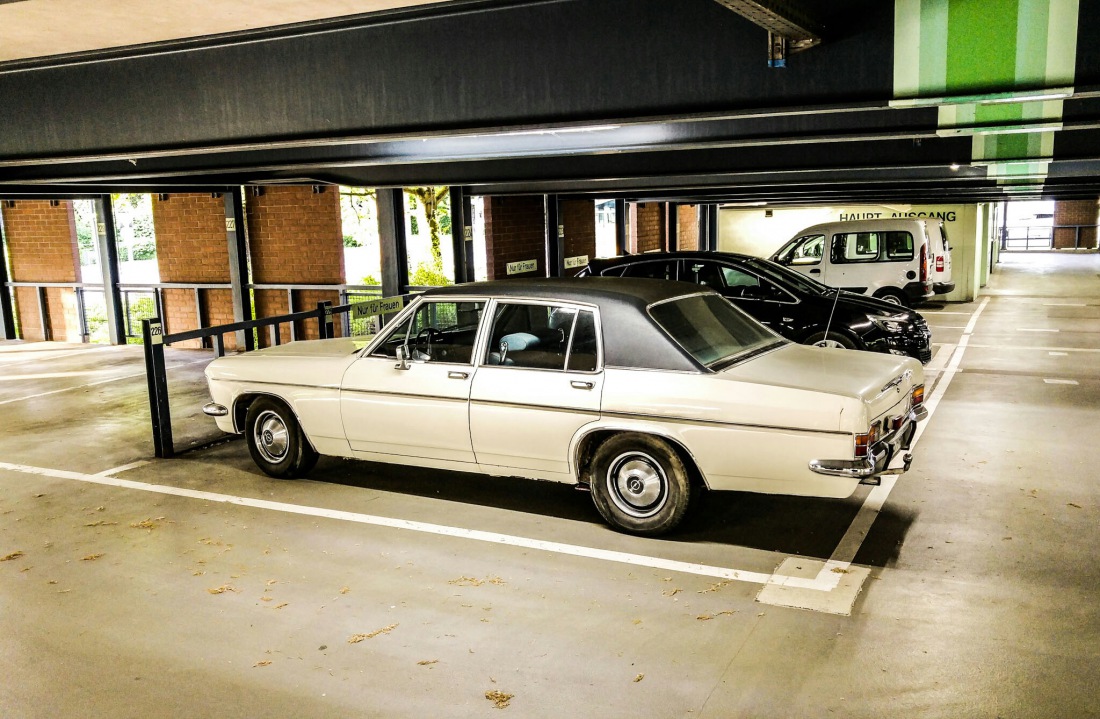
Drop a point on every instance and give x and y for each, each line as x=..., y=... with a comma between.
x=542, y=407
x=720, y=423
x=410, y=395
x=265, y=383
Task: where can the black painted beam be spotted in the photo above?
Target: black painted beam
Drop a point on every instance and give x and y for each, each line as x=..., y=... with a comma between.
x=391, y=235
x=459, y=222
x=555, y=236
x=108, y=262
x=7, y=316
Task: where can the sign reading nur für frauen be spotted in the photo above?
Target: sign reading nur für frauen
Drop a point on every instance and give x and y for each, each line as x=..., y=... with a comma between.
x=515, y=268
x=371, y=308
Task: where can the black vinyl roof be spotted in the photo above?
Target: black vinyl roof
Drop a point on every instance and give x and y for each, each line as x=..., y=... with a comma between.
x=630, y=336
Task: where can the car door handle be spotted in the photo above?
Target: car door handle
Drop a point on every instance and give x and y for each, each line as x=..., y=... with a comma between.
x=458, y=375
x=815, y=272
x=576, y=384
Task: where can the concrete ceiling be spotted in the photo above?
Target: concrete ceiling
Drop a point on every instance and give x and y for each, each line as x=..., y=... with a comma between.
x=41, y=28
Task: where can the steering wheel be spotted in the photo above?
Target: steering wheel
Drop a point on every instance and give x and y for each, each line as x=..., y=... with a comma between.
x=425, y=337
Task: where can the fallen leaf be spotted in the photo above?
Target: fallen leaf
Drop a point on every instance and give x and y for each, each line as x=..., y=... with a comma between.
x=498, y=698
x=1075, y=506
x=92, y=557
x=147, y=523
x=345, y=590
x=13, y=555
x=637, y=621
x=264, y=663
x=708, y=617
x=198, y=573
x=714, y=587
x=100, y=523
x=222, y=589
x=839, y=570
x=426, y=662
x=639, y=678
x=671, y=592
x=280, y=606
x=266, y=599
x=356, y=638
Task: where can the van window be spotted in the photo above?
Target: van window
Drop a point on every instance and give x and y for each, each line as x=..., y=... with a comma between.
x=807, y=250
x=891, y=246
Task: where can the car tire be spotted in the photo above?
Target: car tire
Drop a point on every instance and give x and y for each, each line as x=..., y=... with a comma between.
x=276, y=441
x=640, y=484
x=893, y=297
x=835, y=340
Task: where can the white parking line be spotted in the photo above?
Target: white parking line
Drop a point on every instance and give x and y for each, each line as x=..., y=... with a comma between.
x=1060, y=381
x=933, y=313
x=1064, y=304
x=1037, y=349
x=438, y=529
x=1035, y=329
x=124, y=468
x=94, y=384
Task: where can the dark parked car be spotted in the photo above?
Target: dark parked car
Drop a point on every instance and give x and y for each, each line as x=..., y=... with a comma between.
x=793, y=305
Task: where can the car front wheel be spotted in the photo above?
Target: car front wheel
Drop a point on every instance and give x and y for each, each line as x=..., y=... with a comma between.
x=639, y=484
x=276, y=441
x=832, y=340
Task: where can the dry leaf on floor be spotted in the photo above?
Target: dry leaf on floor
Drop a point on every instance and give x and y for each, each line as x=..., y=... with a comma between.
x=714, y=587
x=838, y=570
x=100, y=523
x=266, y=599
x=222, y=589
x=356, y=638
x=345, y=590
x=9, y=557
x=150, y=523
x=1075, y=506
x=426, y=662
x=498, y=698
x=708, y=617
x=264, y=663
x=92, y=557
x=280, y=606
x=671, y=592
x=639, y=678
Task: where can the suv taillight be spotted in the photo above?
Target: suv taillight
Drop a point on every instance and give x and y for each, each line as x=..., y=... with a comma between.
x=939, y=264
x=924, y=263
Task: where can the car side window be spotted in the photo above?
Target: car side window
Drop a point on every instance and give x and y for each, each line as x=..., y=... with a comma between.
x=537, y=336
x=703, y=273
x=850, y=247
x=656, y=270
x=436, y=332
x=808, y=251
x=899, y=246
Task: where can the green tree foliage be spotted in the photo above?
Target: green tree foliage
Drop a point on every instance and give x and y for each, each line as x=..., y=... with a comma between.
x=437, y=206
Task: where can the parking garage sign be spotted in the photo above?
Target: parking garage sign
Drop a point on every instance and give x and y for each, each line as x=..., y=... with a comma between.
x=516, y=268
x=372, y=308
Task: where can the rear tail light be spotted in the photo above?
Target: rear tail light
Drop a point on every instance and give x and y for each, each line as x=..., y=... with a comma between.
x=939, y=264
x=865, y=441
x=918, y=395
x=924, y=263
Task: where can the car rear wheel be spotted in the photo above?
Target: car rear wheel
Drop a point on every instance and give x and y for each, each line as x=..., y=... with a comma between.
x=831, y=340
x=276, y=441
x=639, y=484
x=893, y=297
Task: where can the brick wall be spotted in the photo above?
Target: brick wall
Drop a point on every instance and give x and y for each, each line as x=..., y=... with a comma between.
x=687, y=224
x=514, y=231
x=42, y=245
x=647, y=227
x=579, y=218
x=295, y=237
x=192, y=247
x=1075, y=212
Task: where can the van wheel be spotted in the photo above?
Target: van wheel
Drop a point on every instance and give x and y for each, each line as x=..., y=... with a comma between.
x=639, y=484
x=276, y=441
x=832, y=340
x=893, y=297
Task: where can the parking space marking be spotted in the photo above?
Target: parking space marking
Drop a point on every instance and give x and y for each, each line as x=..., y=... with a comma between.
x=123, y=468
x=1037, y=349
x=944, y=312
x=834, y=578
x=1064, y=304
x=98, y=382
x=1036, y=329
x=423, y=527
x=1060, y=381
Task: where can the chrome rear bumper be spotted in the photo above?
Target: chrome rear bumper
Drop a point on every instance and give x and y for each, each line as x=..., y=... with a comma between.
x=213, y=409
x=867, y=469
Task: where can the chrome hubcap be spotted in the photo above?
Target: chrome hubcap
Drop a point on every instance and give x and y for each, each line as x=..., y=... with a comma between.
x=637, y=485
x=892, y=300
x=272, y=437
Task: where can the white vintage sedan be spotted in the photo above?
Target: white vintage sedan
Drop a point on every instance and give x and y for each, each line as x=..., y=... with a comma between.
x=643, y=391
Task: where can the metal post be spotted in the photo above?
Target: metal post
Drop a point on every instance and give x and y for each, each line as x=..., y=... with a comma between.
x=620, y=227
x=82, y=315
x=1004, y=226
x=554, y=232
x=238, y=264
x=43, y=314
x=290, y=311
x=325, y=329
x=108, y=261
x=710, y=239
x=458, y=232
x=391, y=235
x=7, y=316
x=198, y=313
x=468, y=235
x=152, y=335
x=672, y=232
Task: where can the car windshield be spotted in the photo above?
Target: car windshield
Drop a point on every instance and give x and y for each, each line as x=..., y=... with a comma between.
x=712, y=330
x=787, y=276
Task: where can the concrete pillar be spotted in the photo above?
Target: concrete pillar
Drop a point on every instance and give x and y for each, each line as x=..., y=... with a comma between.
x=647, y=227
x=515, y=234
x=579, y=219
x=687, y=224
x=1075, y=224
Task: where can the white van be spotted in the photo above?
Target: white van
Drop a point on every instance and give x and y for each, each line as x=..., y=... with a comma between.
x=902, y=261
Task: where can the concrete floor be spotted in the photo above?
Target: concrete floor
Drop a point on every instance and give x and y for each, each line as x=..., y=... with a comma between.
x=981, y=598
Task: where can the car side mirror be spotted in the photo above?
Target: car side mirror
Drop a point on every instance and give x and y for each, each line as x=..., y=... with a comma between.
x=402, y=357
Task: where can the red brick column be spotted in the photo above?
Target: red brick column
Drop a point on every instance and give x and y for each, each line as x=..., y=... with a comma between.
x=192, y=248
x=295, y=237
x=42, y=245
x=647, y=227
x=579, y=218
x=1075, y=212
x=514, y=231
x=687, y=227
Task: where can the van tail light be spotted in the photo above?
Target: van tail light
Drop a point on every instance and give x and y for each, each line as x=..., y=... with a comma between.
x=924, y=263
x=865, y=441
x=939, y=264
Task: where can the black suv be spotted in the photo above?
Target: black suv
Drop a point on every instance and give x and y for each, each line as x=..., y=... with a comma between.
x=790, y=303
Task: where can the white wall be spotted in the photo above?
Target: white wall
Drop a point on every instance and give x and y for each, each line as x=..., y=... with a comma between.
x=752, y=232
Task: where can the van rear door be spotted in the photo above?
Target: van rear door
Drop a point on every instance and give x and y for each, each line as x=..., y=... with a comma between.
x=941, y=260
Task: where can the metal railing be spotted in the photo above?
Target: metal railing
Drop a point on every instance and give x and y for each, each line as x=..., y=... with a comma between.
x=155, y=339
x=1022, y=238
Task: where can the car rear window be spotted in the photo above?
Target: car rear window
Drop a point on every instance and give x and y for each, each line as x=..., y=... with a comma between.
x=712, y=330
